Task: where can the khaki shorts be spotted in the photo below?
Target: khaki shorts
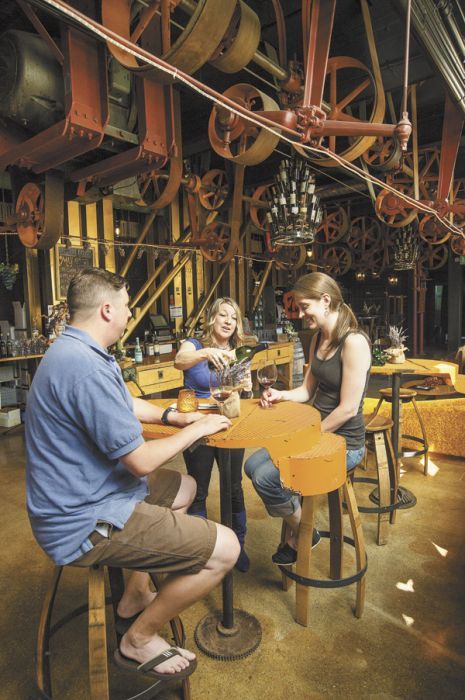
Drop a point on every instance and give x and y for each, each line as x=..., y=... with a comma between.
x=155, y=538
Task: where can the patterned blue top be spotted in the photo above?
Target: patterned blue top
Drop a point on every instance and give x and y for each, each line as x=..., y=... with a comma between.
x=79, y=422
x=198, y=376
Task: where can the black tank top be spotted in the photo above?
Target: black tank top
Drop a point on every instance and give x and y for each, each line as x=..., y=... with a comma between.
x=328, y=374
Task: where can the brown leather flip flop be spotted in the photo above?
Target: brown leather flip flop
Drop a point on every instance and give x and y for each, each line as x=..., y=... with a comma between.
x=148, y=667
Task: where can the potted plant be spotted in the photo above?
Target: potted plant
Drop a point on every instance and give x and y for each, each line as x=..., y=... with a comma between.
x=396, y=353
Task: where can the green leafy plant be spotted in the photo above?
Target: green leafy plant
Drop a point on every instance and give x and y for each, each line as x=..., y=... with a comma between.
x=290, y=331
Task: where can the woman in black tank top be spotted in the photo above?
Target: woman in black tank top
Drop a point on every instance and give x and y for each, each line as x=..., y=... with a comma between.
x=336, y=380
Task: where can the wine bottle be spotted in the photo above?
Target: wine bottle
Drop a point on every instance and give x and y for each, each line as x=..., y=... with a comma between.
x=246, y=352
x=138, y=357
x=2, y=346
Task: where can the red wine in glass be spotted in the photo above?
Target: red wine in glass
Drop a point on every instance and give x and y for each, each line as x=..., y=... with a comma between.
x=267, y=374
x=221, y=396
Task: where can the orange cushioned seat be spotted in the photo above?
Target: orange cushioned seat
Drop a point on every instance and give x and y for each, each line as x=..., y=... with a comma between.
x=322, y=470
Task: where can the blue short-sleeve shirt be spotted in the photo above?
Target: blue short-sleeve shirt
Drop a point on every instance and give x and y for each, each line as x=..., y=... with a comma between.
x=197, y=377
x=79, y=422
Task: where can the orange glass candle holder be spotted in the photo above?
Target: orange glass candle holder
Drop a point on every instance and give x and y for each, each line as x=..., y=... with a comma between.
x=187, y=401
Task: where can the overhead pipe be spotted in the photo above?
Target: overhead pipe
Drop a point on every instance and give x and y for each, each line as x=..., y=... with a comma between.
x=448, y=14
x=432, y=34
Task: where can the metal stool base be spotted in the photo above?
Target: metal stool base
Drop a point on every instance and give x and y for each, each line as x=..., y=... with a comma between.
x=224, y=644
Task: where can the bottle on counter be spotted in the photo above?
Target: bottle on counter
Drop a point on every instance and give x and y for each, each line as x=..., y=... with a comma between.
x=156, y=345
x=138, y=356
x=2, y=346
x=9, y=346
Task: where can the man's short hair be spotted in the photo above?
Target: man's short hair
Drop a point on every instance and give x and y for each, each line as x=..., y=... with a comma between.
x=89, y=287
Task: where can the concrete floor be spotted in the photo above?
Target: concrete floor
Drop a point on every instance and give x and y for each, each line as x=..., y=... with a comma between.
x=410, y=642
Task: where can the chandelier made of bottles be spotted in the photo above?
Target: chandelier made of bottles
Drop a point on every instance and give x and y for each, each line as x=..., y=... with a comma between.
x=295, y=212
x=406, y=248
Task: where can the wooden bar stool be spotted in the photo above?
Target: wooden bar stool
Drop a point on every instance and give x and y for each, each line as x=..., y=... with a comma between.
x=408, y=396
x=322, y=470
x=97, y=634
x=378, y=441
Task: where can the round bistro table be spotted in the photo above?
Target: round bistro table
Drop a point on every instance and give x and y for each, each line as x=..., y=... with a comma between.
x=286, y=429
x=421, y=367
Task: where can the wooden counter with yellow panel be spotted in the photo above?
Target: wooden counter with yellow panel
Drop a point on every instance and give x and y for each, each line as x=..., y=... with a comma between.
x=154, y=376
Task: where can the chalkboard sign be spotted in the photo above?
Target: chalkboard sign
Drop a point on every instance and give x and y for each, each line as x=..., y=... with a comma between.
x=70, y=261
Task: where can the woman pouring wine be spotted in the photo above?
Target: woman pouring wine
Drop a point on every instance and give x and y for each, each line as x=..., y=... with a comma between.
x=217, y=349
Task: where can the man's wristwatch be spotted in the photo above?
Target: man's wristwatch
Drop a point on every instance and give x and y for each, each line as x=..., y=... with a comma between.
x=164, y=415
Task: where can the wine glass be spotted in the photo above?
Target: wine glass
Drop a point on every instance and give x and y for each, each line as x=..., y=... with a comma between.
x=267, y=374
x=221, y=385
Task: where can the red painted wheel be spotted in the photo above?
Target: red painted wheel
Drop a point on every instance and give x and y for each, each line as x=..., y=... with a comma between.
x=216, y=242
x=214, y=189
x=334, y=226
x=257, y=212
x=336, y=260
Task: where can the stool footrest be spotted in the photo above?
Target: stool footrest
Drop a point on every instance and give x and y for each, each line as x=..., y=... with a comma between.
x=374, y=509
x=327, y=583
x=406, y=452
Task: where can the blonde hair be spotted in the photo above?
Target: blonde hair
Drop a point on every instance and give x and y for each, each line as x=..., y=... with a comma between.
x=237, y=337
x=313, y=286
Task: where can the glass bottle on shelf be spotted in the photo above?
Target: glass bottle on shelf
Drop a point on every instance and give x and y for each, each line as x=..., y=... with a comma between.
x=9, y=346
x=138, y=357
x=2, y=346
x=156, y=345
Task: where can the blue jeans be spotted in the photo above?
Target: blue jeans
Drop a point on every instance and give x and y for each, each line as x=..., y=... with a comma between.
x=279, y=501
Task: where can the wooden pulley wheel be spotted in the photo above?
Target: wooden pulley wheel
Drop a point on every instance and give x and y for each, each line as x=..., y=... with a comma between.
x=214, y=189
x=393, y=210
x=40, y=213
x=269, y=247
x=191, y=49
x=236, y=139
x=364, y=233
x=333, y=227
x=383, y=155
x=359, y=86
x=215, y=242
x=434, y=256
x=158, y=189
x=457, y=244
x=290, y=257
x=432, y=231
x=375, y=261
x=336, y=260
x=240, y=42
x=257, y=212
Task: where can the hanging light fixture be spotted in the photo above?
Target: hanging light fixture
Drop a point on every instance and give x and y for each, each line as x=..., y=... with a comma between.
x=295, y=212
x=360, y=276
x=406, y=248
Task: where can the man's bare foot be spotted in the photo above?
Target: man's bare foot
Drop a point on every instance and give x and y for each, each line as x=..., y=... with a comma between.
x=135, y=604
x=156, y=646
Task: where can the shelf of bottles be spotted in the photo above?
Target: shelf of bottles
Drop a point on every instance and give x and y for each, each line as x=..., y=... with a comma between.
x=406, y=248
x=295, y=211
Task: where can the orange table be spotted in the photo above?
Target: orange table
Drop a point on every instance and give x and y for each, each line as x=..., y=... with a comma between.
x=421, y=367
x=286, y=429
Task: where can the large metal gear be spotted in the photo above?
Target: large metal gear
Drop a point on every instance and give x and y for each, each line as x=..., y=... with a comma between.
x=235, y=139
x=240, y=41
x=191, y=49
x=228, y=644
x=40, y=212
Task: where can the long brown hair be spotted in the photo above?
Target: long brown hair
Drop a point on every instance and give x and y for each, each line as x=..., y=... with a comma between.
x=313, y=286
x=237, y=337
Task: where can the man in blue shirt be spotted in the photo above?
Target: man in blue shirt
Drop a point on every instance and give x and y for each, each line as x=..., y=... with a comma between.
x=95, y=493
